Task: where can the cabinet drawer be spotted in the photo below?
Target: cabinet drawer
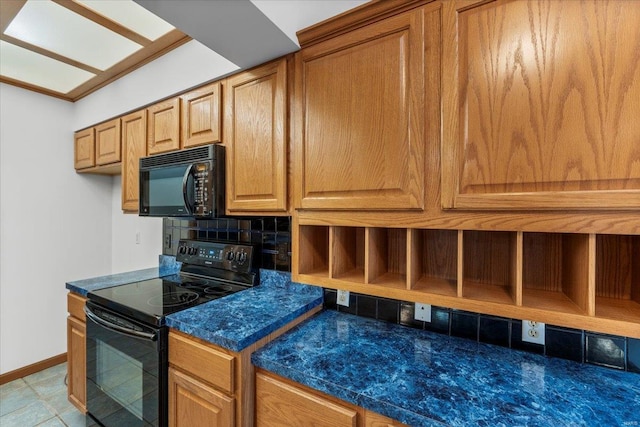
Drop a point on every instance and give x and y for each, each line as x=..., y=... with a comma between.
x=279, y=403
x=209, y=364
x=75, y=306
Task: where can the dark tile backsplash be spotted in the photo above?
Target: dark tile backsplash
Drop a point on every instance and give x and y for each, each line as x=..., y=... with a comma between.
x=271, y=236
x=464, y=324
x=605, y=350
x=494, y=330
x=564, y=343
x=585, y=347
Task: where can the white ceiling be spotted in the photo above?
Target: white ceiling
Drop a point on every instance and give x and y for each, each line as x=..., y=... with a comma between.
x=247, y=32
x=61, y=51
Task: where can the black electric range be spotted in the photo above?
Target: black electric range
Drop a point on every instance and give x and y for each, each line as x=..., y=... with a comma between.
x=209, y=271
x=127, y=366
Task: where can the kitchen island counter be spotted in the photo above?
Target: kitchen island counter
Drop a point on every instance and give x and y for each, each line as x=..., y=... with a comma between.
x=426, y=379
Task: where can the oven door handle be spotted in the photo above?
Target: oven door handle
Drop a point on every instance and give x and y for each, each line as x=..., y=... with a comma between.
x=117, y=328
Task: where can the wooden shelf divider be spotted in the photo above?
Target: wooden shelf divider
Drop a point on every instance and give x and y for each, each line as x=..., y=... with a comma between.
x=489, y=266
x=313, y=253
x=347, y=254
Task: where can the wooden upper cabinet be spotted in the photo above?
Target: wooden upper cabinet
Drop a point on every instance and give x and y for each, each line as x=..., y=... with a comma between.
x=201, y=116
x=108, y=142
x=134, y=146
x=84, y=151
x=541, y=105
x=255, y=134
x=360, y=112
x=163, y=133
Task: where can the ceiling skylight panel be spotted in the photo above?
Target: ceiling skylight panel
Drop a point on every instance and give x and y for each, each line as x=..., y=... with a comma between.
x=30, y=67
x=131, y=15
x=55, y=28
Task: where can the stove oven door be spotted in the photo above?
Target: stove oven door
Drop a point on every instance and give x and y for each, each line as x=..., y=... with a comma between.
x=126, y=370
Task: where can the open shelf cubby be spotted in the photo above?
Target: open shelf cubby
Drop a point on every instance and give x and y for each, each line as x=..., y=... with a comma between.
x=348, y=254
x=386, y=257
x=434, y=261
x=489, y=266
x=576, y=280
x=555, y=272
x=314, y=259
x=618, y=277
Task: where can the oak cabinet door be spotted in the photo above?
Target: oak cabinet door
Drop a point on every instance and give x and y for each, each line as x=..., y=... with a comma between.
x=255, y=128
x=373, y=419
x=360, y=118
x=194, y=404
x=108, y=142
x=163, y=132
x=541, y=105
x=201, y=116
x=279, y=403
x=76, y=363
x=134, y=146
x=84, y=149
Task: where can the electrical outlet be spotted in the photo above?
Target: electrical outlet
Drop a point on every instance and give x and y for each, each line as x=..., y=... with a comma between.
x=533, y=331
x=423, y=312
x=343, y=298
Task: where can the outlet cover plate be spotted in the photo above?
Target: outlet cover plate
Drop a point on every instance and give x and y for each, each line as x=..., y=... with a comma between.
x=533, y=332
x=343, y=298
x=423, y=312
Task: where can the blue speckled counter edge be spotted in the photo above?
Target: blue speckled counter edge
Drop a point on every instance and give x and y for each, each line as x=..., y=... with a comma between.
x=239, y=320
x=166, y=265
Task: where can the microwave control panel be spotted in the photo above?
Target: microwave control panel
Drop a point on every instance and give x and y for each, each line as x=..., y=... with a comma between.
x=232, y=257
x=201, y=178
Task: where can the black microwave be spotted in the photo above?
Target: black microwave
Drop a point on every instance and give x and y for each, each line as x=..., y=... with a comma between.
x=185, y=183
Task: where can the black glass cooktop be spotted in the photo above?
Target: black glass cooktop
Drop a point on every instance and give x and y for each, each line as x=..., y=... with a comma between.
x=150, y=300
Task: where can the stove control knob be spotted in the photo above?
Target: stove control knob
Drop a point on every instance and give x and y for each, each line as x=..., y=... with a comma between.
x=192, y=251
x=241, y=257
x=182, y=249
x=231, y=256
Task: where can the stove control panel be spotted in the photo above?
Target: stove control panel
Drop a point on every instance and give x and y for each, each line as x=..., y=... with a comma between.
x=226, y=256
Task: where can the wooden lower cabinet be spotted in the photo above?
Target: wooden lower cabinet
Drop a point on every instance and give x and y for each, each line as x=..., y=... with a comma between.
x=76, y=352
x=193, y=403
x=202, y=383
x=280, y=402
x=371, y=419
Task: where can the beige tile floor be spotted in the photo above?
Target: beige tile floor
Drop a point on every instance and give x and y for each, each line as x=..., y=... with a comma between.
x=39, y=400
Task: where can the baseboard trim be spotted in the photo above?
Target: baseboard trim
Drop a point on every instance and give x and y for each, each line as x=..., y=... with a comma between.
x=33, y=368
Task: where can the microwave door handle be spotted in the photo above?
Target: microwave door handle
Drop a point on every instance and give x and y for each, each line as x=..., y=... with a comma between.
x=117, y=328
x=185, y=181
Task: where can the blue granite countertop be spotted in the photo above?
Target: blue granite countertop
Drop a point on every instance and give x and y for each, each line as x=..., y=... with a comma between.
x=239, y=320
x=234, y=322
x=167, y=265
x=426, y=379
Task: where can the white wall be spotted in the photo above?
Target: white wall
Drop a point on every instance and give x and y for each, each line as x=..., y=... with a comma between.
x=126, y=254
x=187, y=66
x=55, y=225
